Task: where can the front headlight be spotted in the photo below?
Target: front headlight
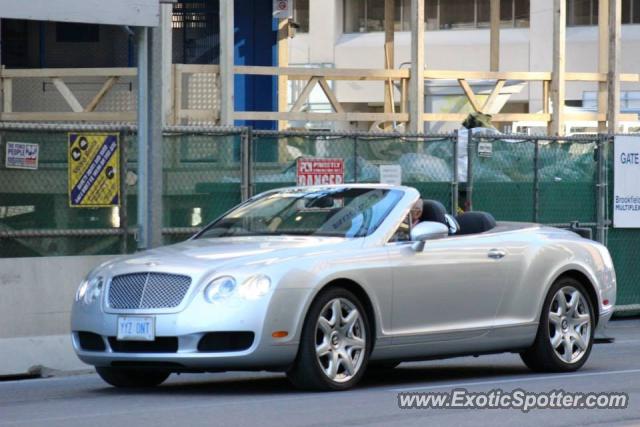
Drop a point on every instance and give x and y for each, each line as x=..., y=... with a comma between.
x=219, y=289
x=223, y=287
x=255, y=287
x=90, y=290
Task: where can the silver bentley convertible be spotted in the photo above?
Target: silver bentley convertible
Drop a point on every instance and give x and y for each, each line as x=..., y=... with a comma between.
x=326, y=282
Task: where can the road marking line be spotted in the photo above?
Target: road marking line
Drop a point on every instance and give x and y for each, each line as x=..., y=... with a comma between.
x=514, y=380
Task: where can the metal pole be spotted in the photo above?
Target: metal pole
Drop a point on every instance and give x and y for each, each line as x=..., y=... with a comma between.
x=601, y=189
x=470, y=170
x=245, y=164
x=536, y=181
x=143, y=136
x=355, y=159
x=454, y=183
x=122, y=209
x=155, y=206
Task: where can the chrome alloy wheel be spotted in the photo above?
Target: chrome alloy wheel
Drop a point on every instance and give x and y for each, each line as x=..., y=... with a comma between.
x=569, y=324
x=340, y=340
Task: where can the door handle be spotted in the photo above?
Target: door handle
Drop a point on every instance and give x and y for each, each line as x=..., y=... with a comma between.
x=496, y=254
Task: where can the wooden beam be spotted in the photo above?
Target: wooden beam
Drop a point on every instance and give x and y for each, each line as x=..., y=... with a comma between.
x=68, y=96
x=111, y=81
x=556, y=127
x=471, y=97
x=545, y=96
x=487, y=75
x=603, y=59
x=227, y=47
x=70, y=72
x=389, y=32
x=304, y=95
x=123, y=116
x=298, y=73
x=495, y=36
x=177, y=94
x=283, y=61
x=320, y=117
x=613, y=74
x=416, y=90
x=330, y=95
x=198, y=68
x=486, y=108
x=502, y=117
x=7, y=95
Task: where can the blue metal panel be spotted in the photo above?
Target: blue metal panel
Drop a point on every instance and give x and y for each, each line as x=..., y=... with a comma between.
x=255, y=44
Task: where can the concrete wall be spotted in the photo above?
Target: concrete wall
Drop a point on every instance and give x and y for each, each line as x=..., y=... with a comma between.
x=35, y=305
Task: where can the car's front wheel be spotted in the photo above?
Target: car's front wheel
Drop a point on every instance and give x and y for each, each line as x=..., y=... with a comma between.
x=335, y=343
x=130, y=378
x=565, y=332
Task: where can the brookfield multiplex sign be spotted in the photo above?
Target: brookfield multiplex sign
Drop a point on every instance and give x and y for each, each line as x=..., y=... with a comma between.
x=626, y=185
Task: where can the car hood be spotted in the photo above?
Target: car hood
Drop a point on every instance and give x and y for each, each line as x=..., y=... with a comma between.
x=209, y=254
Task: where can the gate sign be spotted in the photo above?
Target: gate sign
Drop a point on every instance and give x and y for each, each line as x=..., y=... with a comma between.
x=312, y=171
x=626, y=191
x=94, y=178
x=21, y=155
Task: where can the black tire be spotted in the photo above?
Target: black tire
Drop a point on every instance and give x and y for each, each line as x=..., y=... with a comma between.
x=306, y=372
x=132, y=378
x=541, y=356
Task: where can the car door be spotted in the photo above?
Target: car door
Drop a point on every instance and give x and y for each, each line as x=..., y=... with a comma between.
x=453, y=286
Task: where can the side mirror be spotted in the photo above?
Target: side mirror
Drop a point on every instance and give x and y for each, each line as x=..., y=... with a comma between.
x=427, y=230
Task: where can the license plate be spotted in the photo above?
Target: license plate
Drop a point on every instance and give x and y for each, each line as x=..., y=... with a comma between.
x=136, y=328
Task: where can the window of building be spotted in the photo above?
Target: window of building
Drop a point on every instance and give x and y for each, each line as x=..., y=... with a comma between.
x=301, y=15
x=196, y=32
x=67, y=32
x=585, y=12
x=362, y=16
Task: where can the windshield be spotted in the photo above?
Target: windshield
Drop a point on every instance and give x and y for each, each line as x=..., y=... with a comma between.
x=339, y=212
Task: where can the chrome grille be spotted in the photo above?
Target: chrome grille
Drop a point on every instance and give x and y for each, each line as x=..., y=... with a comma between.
x=147, y=291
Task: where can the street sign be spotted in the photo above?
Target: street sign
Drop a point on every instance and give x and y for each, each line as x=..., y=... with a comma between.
x=626, y=192
x=316, y=171
x=94, y=170
x=21, y=155
x=282, y=9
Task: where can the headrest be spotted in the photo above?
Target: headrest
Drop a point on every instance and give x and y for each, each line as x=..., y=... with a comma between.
x=475, y=222
x=433, y=210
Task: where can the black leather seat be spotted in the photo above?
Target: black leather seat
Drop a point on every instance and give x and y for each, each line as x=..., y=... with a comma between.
x=475, y=222
x=433, y=210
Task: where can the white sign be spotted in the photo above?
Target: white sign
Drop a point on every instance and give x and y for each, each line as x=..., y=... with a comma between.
x=22, y=155
x=281, y=9
x=626, y=191
x=485, y=149
x=391, y=174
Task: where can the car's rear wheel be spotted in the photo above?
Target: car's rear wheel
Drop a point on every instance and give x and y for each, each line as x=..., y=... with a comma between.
x=565, y=334
x=132, y=378
x=335, y=343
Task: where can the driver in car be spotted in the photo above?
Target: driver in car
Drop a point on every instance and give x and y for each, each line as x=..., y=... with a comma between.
x=416, y=212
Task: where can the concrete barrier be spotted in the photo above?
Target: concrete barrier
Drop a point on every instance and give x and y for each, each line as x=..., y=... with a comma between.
x=35, y=305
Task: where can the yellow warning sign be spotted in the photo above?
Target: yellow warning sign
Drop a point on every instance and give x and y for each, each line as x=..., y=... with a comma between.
x=94, y=176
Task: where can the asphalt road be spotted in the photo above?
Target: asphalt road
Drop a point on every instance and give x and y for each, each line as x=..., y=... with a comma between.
x=238, y=399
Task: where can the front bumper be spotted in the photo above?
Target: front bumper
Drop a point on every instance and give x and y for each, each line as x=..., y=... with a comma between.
x=280, y=311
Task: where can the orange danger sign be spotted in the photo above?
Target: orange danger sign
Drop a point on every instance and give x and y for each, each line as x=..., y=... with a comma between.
x=320, y=171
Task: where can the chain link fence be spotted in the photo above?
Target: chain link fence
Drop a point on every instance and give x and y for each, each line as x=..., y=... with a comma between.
x=208, y=170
